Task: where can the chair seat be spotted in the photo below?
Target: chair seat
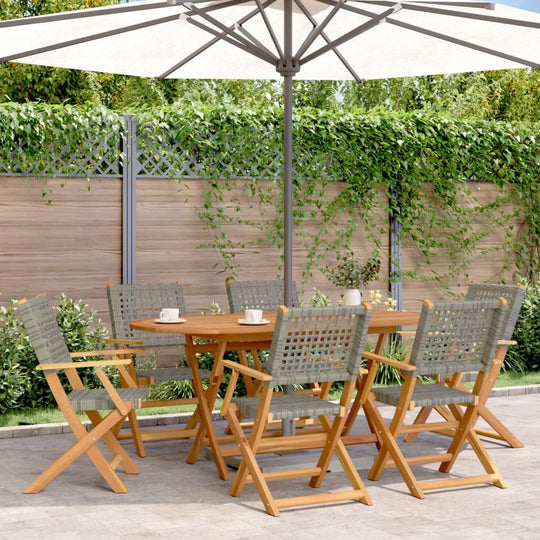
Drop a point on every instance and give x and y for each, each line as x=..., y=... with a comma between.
x=425, y=395
x=289, y=406
x=171, y=374
x=97, y=399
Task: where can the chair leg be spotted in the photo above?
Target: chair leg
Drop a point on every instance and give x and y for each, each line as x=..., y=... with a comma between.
x=86, y=443
x=501, y=431
x=463, y=431
x=249, y=464
x=120, y=456
x=259, y=426
x=390, y=445
x=137, y=437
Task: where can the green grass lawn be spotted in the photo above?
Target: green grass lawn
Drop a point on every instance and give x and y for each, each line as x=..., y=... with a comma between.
x=47, y=416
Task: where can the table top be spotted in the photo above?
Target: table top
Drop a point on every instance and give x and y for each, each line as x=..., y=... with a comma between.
x=227, y=325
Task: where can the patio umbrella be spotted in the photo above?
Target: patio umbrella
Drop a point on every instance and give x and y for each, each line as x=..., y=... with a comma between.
x=269, y=39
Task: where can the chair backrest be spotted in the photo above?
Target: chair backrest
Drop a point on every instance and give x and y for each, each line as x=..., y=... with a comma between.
x=457, y=336
x=141, y=301
x=513, y=294
x=45, y=336
x=318, y=344
x=265, y=295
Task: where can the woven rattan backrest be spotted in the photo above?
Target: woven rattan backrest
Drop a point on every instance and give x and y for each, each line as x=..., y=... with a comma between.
x=457, y=336
x=141, y=301
x=513, y=294
x=45, y=337
x=265, y=295
x=318, y=344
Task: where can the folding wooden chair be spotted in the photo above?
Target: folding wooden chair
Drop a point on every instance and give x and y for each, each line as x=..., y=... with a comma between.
x=139, y=301
x=452, y=337
x=53, y=356
x=514, y=295
x=309, y=345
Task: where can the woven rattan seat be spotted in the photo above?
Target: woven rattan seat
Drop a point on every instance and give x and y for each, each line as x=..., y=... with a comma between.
x=310, y=345
x=451, y=336
x=146, y=300
x=424, y=395
x=289, y=407
x=96, y=399
x=53, y=356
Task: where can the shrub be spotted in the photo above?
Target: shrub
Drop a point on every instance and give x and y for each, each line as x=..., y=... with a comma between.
x=21, y=385
x=527, y=331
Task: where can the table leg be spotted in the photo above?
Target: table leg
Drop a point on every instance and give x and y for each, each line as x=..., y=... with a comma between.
x=206, y=403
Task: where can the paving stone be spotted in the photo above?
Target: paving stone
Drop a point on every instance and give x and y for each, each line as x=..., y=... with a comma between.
x=171, y=499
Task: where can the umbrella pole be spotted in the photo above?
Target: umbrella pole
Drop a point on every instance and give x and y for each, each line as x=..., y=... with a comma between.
x=287, y=70
x=287, y=188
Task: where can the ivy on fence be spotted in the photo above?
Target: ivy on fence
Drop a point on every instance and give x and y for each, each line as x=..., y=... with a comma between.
x=428, y=163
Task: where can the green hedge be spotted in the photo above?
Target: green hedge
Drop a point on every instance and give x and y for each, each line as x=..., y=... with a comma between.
x=21, y=385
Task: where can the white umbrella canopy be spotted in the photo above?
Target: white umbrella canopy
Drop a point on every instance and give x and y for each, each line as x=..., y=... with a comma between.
x=153, y=38
x=266, y=39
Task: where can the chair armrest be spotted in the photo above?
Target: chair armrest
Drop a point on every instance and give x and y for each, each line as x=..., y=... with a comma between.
x=105, y=352
x=506, y=342
x=264, y=377
x=384, y=360
x=125, y=341
x=89, y=363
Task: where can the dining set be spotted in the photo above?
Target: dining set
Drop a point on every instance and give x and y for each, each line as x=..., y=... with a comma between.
x=310, y=354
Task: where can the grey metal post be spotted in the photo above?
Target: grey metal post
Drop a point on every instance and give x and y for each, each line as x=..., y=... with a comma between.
x=287, y=71
x=396, y=255
x=129, y=201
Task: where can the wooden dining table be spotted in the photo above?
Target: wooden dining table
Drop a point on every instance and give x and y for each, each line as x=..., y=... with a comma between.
x=225, y=332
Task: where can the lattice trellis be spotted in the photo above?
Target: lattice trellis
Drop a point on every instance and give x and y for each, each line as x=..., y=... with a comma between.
x=91, y=156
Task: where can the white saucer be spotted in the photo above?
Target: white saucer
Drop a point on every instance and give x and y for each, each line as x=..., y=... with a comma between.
x=253, y=323
x=175, y=321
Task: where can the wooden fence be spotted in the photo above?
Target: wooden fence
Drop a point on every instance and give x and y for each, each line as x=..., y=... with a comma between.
x=74, y=245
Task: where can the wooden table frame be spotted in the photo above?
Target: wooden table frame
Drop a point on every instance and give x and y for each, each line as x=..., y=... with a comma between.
x=227, y=334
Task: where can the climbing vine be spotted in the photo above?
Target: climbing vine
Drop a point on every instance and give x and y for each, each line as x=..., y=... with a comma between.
x=420, y=168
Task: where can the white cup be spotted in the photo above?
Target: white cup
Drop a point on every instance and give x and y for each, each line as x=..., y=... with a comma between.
x=169, y=314
x=253, y=315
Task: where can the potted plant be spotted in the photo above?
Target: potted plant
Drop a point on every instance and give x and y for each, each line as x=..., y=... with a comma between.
x=350, y=274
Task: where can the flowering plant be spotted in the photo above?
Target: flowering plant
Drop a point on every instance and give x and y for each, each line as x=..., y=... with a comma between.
x=376, y=299
x=351, y=273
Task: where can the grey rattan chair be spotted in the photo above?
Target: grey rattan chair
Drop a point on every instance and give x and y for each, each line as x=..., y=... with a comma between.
x=130, y=302
x=53, y=356
x=265, y=295
x=452, y=337
x=309, y=346
x=514, y=295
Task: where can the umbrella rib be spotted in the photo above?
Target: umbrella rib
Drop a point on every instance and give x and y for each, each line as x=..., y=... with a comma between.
x=318, y=29
x=270, y=31
x=483, y=5
x=206, y=46
x=446, y=12
x=240, y=39
x=309, y=16
x=82, y=14
x=255, y=41
x=463, y=43
x=222, y=35
x=376, y=20
x=91, y=37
